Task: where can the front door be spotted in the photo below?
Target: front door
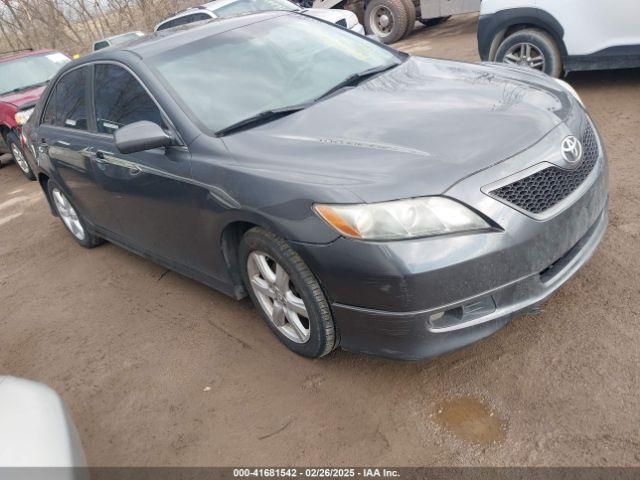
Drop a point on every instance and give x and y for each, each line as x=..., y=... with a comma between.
x=151, y=193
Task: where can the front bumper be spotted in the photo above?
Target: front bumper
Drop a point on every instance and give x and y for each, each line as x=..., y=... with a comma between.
x=413, y=336
x=420, y=298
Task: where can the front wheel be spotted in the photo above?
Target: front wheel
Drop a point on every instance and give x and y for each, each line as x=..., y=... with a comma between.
x=287, y=294
x=13, y=142
x=531, y=48
x=387, y=19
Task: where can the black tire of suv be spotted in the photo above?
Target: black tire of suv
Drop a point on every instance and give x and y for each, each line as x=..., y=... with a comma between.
x=542, y=41
x=322, y=339
x=400, y=15
x=12, y=142
x=432, y=22
x=90, y=240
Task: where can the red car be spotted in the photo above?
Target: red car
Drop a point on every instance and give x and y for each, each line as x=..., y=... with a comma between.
x=23, y=77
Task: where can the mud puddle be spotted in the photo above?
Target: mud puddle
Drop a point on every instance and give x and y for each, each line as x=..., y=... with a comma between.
x=471, y=420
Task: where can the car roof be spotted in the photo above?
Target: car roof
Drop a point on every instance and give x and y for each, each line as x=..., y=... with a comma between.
x=8, y=56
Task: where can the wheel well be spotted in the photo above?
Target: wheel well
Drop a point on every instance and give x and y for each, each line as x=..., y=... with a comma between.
x=229, y=243
x=4, y=131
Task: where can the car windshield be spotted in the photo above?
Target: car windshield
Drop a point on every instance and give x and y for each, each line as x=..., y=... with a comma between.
x=245, y=6
x=25, y=72
x=223, y=79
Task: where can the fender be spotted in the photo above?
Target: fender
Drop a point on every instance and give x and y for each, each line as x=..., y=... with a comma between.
x=492, y=27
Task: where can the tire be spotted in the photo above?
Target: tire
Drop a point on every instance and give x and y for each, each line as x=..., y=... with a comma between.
x=396, y=14
x=543, y=47
x=318, y=326
x=432, y=22
x=87, y=239
x=411, y=17
x=13, y=142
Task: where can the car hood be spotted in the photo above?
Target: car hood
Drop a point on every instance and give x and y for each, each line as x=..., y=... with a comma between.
x=415, y=130
x=24, y=98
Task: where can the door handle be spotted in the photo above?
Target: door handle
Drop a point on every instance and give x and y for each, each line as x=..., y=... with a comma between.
x=100, y=157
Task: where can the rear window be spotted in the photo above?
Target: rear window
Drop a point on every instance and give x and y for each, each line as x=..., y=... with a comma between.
x=176, y=22
x=100, y=45
x=67, y=105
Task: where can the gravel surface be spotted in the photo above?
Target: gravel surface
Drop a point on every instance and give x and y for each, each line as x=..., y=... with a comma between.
x=159, y=370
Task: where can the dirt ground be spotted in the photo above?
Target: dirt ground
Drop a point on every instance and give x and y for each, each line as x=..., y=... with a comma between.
x=159, y=370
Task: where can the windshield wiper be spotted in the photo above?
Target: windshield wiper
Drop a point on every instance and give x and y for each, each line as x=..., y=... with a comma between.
x=274, y=113
x=357, y=78
x=262, y=117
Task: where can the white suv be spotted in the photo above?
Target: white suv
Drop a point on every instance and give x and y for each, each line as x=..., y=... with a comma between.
x=226, y=8
x=556, y=36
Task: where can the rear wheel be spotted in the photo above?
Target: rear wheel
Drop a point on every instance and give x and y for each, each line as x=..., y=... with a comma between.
x=411, y=17
x=287, y=294
x=13, y=142
x=531, y=48
x=71, y=218
x=387, y=19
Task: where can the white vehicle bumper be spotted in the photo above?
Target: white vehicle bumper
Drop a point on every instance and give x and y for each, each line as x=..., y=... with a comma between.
x=358, y=28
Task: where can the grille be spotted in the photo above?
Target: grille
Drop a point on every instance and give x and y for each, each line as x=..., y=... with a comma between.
x=342, y=22
x=546, y=188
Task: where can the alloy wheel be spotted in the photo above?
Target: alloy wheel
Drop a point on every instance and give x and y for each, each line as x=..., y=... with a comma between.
x=278, y=297
x=381, y=21
x=19, y=158
x=525, y=54
x=68, y=214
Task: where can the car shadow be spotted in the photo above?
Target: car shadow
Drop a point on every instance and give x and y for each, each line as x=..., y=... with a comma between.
x=629, y=77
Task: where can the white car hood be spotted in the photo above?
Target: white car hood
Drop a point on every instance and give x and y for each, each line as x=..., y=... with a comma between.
x=333, y=15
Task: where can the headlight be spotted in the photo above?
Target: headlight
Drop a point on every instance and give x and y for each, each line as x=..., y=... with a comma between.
x=400, y=219
x=569, y=89
x=22, y=116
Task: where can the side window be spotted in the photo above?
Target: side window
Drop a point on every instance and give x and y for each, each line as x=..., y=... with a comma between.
x=197, y=17
x=67, y=106
x=121, y=100
x=49, y=117
x=166, y=25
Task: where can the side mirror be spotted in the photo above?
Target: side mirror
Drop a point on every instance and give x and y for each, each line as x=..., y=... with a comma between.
x=141, y=136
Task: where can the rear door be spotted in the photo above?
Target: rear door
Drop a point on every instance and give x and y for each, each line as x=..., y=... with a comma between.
x=64, y=137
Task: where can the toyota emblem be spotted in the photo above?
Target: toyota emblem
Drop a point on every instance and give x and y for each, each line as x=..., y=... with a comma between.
x=572, y=149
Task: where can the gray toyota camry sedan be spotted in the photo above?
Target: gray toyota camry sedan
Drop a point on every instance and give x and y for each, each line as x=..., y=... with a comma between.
x=363, y=198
